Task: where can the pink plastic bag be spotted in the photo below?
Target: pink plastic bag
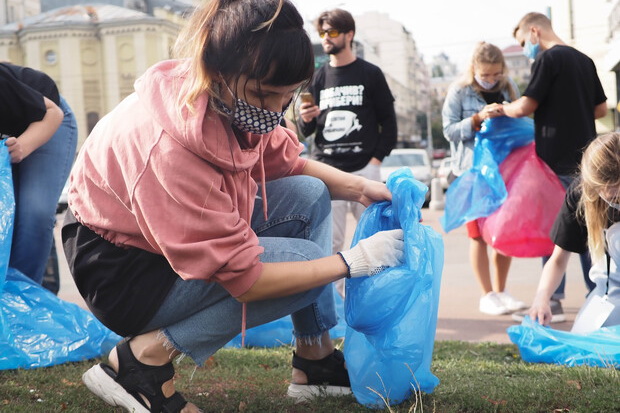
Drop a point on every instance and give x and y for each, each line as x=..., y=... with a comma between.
x=520, y=226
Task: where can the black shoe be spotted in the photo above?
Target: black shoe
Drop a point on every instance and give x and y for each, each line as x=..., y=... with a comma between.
x=327, y=376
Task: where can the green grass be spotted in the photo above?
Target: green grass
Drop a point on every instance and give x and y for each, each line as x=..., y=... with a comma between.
x=480, y=377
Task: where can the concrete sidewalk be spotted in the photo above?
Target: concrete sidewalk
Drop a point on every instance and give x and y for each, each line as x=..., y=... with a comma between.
x=459, y=318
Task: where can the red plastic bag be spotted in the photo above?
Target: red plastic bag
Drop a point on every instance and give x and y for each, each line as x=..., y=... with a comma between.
x=520, y=226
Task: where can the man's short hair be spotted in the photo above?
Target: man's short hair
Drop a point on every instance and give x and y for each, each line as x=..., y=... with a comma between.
x=532, y=19
x=338, y=19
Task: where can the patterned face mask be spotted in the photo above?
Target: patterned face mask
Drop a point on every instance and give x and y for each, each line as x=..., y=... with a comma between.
x=249, y=118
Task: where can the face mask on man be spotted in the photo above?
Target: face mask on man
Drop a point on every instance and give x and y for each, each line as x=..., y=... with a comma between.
x=531, y=50
x=484, y=84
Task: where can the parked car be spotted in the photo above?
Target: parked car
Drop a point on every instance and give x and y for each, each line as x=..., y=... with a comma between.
x=443, y=171
x=415, y=159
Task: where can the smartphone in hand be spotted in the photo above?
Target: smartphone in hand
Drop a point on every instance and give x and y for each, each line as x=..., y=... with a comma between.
x=306, y=97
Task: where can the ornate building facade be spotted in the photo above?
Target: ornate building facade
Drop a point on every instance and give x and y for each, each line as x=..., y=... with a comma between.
x=93, y=52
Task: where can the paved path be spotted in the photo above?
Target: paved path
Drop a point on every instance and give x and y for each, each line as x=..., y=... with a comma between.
x=459, y=318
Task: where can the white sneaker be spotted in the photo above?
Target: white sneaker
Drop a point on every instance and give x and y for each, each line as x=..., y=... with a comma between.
x=510, y=302
x=491, y=304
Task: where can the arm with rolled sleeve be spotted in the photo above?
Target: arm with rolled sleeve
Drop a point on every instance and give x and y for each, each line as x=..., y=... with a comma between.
x=455, y=127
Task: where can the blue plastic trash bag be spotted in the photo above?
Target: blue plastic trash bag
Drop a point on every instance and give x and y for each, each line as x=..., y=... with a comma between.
x=479, y=191
x=280, y=332
x=38, y=329
x=7, y=210
x=539, y=344
x=43, y=330
x=392, y=316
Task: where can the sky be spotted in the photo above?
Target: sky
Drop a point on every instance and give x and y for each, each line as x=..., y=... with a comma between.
x=449, y=26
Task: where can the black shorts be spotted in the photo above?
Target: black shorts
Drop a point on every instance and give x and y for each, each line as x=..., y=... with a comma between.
x=123, y=287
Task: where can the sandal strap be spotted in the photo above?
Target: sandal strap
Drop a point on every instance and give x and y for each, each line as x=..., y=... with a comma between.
x=140, y=379
x=327, y=371
x=174, y=403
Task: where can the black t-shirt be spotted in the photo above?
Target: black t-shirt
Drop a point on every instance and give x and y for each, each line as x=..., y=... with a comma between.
x=565, y=85
x=21, y=97
x=357, y=120
x=569, y=231
x=492, y=97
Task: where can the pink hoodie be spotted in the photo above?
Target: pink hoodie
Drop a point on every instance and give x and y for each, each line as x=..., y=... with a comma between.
x=178, y=183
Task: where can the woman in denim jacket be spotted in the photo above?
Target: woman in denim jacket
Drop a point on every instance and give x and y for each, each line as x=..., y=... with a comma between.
x=465, y=108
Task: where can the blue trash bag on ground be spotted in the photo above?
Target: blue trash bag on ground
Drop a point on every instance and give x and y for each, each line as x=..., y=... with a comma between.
x=280, y=332
x=479, y=191
x=392, y=316
x=37, y=329
x=539, y=344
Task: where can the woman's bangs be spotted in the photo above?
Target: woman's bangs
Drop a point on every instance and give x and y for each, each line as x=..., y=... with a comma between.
x=291, y=60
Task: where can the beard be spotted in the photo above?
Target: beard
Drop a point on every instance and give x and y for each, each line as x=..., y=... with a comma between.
x=332, y=49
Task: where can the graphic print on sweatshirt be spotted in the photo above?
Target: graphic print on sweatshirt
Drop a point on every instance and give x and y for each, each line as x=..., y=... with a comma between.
x=340, y=123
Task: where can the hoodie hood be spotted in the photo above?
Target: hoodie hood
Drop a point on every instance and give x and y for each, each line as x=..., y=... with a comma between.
x=159, y=91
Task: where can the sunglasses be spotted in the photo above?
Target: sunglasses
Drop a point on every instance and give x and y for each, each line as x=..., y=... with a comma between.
x=331, y=33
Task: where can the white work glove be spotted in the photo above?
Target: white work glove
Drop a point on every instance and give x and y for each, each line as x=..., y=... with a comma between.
x=374, y=254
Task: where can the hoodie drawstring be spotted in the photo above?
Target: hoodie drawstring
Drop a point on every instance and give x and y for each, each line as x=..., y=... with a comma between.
x=265, y=215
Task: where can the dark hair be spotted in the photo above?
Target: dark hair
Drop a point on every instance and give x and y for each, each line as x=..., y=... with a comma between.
x=338, y=19
x=261, y=39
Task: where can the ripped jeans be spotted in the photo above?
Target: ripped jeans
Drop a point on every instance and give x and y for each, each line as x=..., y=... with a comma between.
x=199, y=318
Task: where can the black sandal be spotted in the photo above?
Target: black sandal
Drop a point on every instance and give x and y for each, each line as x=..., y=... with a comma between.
x=133, y=380
x=327, y=376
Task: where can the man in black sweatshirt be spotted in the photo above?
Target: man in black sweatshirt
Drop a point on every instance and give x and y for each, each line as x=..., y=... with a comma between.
x=352, y=115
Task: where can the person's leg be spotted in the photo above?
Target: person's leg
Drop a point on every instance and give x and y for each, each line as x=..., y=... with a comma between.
x=372, y=172
x=339, y=214
x=480, y=264
x=490, y=302
x=51, y=276
x=38, y=182
x=501, y=265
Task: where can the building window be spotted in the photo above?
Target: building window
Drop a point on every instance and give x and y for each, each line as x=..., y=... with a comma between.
x=50, y=57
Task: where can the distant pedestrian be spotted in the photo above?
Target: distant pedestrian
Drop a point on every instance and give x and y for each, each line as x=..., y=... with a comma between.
x=565, y=95
x=352, y=115
x=466, y=106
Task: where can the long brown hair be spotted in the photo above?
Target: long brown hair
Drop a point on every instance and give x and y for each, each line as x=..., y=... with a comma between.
x=600, y=170
x=262, y=39
x=487, y=53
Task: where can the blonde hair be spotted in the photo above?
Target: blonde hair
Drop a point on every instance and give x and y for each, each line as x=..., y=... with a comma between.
x=487, y=53
x=600, y=169
x=226, y=39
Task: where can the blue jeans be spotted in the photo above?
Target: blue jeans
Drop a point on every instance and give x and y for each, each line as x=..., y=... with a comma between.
x=38, y=181
x=198, y=318
x=584, y=258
